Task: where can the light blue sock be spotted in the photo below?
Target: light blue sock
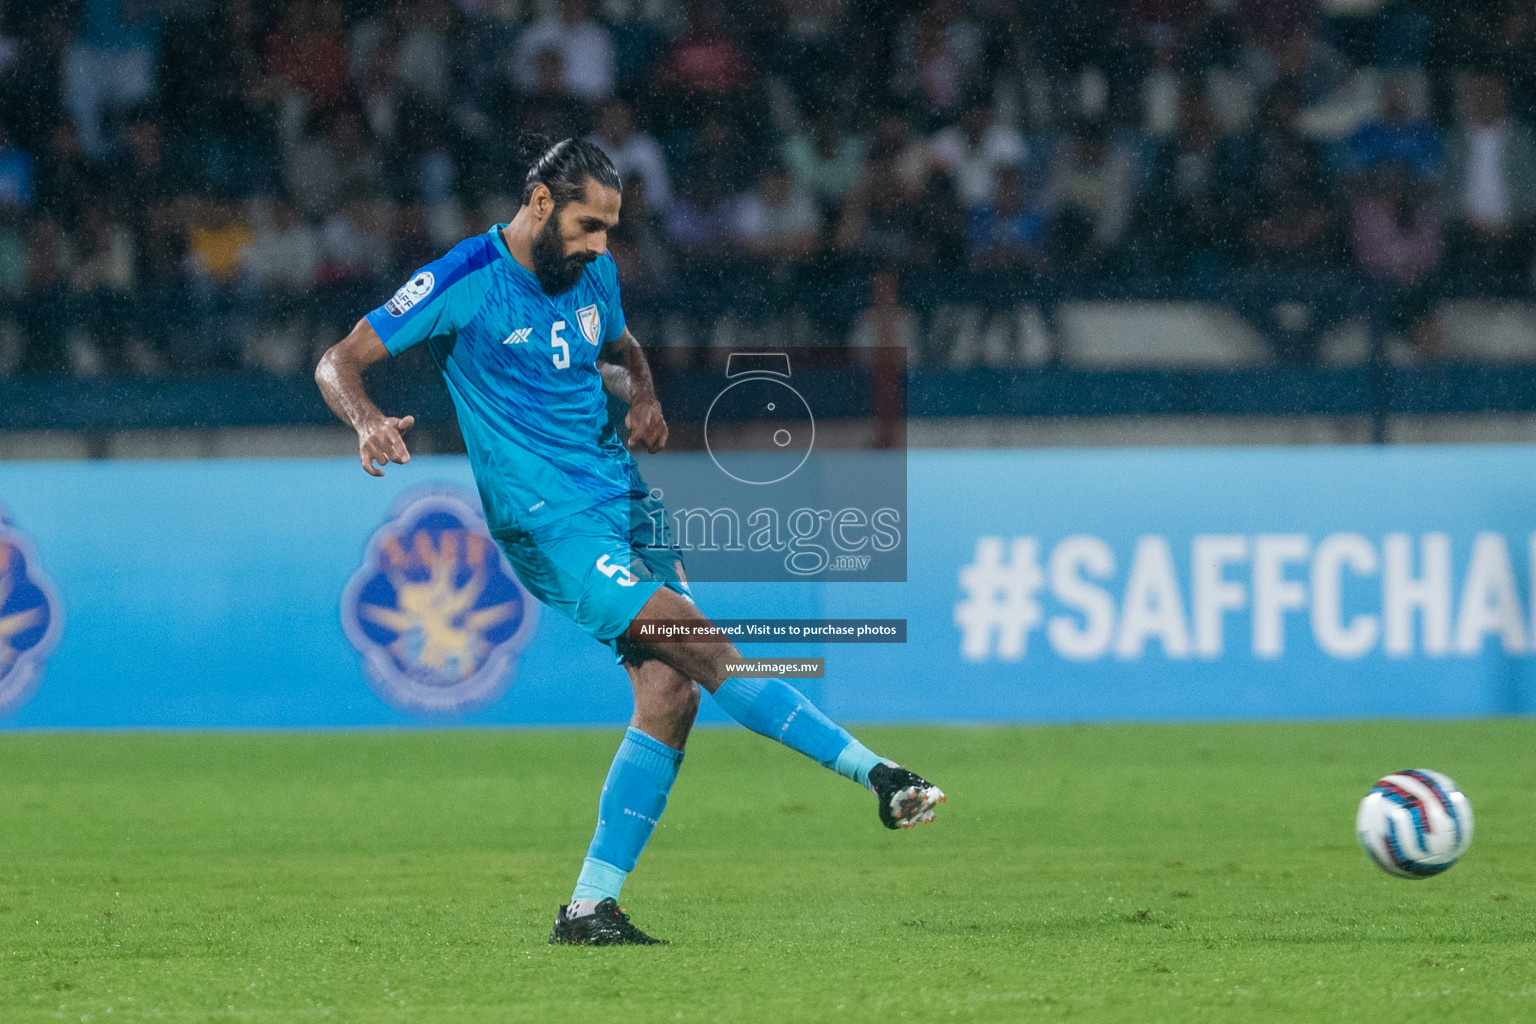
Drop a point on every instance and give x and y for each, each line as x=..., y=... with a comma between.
x=773, y=708
x=634, y=795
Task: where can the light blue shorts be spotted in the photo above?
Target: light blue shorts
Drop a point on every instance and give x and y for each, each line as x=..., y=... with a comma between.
x=593, y=566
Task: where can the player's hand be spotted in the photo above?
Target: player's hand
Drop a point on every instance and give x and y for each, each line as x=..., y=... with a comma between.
x=647, y=427
x=380, y=442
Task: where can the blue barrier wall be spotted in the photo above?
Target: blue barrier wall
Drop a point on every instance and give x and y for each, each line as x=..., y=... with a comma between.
x=1047, y=586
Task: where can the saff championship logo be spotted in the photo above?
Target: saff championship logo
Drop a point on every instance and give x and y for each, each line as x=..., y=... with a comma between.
x=435, y=611
x=410, y=293
x=31, y=618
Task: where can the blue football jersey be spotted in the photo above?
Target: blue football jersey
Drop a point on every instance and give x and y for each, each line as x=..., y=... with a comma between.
x=521, y=367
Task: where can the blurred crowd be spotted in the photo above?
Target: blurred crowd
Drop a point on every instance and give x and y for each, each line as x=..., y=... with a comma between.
x=189, y=185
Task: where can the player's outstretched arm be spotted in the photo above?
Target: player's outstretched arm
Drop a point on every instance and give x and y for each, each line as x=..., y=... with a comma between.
x=340, y=377
x=627, y=375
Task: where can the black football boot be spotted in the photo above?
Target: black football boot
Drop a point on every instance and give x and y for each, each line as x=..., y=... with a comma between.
x=605, y=926
x=906, y=798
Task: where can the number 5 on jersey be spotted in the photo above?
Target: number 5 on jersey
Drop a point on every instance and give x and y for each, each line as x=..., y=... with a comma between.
x=562, y=353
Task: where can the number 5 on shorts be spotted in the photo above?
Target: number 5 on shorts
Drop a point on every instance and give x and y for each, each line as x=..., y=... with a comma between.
x=618, y=573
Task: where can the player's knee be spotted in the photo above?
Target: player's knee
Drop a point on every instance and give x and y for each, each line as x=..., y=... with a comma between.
x=666, y=693
x=683, y=701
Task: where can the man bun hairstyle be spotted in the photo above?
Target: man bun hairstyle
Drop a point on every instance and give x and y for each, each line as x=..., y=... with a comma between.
x=564, y=168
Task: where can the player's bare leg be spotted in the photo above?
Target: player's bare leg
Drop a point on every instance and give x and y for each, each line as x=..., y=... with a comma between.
x=666, y=701
x=774, y=709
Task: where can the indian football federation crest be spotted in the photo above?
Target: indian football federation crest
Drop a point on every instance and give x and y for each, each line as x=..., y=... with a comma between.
x=435, y=610
x=31, y=617
x=591, y=323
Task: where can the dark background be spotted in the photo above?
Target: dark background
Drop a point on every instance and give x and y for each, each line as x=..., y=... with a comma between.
x=196, y=198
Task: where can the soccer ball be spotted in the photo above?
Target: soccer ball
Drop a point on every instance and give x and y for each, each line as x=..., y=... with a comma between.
x=1414, y=823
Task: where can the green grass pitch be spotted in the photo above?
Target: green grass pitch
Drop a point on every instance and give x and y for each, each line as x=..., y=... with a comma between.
x=1094, y=873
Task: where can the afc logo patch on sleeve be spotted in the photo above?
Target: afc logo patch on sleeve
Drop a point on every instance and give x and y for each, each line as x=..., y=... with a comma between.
x=591, y=324
x=412, y=292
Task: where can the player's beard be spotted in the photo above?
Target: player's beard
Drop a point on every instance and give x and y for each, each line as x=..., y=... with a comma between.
x=556, y=271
